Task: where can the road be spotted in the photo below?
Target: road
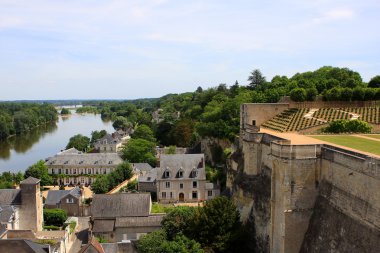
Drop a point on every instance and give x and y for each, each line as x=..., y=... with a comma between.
x=82, y=234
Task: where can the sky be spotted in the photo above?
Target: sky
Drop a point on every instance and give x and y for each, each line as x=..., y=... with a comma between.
x=127, y=49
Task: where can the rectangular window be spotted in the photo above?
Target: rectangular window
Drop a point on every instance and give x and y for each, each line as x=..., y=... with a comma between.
x=181, y=186
x=67, y=171
x=164, y=195
x=70, y=200
x=209, y=193
x=167, y=184
x=195, y=185
x=195, y=195
x=171, y=195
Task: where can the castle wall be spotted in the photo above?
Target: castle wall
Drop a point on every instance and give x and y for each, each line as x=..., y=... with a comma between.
x=259, y=113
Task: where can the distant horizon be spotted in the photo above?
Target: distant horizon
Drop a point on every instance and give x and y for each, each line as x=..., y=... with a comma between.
x=146, y=49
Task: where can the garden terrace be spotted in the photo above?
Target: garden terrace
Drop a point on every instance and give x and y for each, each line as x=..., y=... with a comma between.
x=297, y=119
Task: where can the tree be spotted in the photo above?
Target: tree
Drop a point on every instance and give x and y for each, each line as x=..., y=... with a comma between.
x=100, y=185
x=54, y=217
x=144, y=132
x=216, y=224
x=176, y=220
x=311, y=94
x=96, y=135
x=121, y=123
x=139, y=151
x=256, y=78
x=122, y=172
x=79, y=142
x=65, y=111
x=39, y=170
x=374, y=82
x=298, y=94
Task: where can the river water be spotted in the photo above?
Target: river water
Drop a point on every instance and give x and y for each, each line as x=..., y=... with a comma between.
x=19, y=152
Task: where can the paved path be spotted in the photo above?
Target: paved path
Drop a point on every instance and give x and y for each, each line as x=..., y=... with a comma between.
x=82, y=234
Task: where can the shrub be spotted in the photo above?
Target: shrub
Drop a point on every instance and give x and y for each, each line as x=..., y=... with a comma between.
x=348, y=126
x=358, y=94
x=346, y=94
x=298, y=94
x=311, y=94
x=55, y=217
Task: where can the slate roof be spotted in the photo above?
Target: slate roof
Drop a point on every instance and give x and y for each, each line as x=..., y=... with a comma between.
x=6, y=212
x=22, y=246
x=149, y=221
x=10, y=197
x=98, y=159
x=103, y=226
x=30, y=180
x=109, y=139
x=120, y=205
x=182, y=162
x=149, y=176
x=142, y=166
x=54, y=196
x=92, y=246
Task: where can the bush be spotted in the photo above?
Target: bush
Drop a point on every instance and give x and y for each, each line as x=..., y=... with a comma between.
x=298, y=94
x=311, y=94
x=348, y=126
x=358, y=94
x=55, y=217
x=51, y=228
x=333, y=94
x=346, y=94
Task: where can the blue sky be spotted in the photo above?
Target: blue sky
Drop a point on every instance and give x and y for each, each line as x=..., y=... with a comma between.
x=124, y=49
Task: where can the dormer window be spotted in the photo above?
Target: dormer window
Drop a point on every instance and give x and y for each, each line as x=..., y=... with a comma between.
x=166, y=174
x=194, y=174
x=180, y=173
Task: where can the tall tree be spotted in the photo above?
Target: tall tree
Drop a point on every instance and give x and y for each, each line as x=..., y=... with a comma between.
x=374, y=82
x=79, y=142
x=39, y=170
x=256, y=78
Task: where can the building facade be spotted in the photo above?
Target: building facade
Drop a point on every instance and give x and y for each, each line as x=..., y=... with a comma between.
x=68, y=200
x=73, y=167
x=112, y=143
x=182, y=178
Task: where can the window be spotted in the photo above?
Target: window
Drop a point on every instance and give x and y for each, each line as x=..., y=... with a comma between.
x=166, y=174
x=70, y=200
x=253, y=122
x=181, y=186
x=195, y=184
x=180, y=173
x=67, y=171
x=148, y=179
x=195, y=195
x=167, y=184
x=194, y=173
x=209, y=193
x=163, y=194
x=171, y=195
x=111, y=148
x=105, y=148
x=82, y=180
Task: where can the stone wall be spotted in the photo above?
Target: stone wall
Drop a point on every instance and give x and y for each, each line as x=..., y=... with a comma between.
x=259, y=113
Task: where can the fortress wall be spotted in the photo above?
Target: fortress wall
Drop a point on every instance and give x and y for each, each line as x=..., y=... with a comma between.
x=259, y=112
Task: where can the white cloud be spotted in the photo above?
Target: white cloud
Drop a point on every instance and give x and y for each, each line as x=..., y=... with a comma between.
x=334, y=15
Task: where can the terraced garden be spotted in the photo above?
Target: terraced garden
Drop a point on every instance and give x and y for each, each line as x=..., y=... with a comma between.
x=294, y=119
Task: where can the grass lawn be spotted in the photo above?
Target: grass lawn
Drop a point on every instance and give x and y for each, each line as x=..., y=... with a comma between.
x=366, y=145
x=159, y=208
x=375, y=136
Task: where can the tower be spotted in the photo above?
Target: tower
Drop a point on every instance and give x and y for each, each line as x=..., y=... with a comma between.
x=31, y=212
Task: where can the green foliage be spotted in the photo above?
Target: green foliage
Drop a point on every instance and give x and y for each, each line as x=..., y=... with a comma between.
x=348, y=126
x=46, y=241
x=73, y=224
x=256, y=78
x=101, y=239
x=298, y=94
x=157, y=242
x=52, y=227
x=158, y=208
x=55, y=217
x=144, y=132
x=105, y=183
x=212, y=174
x=215, y=225
x=176, y=220
x=121, y=123
x=374, y=82
x=139, y=151
x=96, y=135
x=171, y=150
x=311, y=94
x=65, y=111
x=39, y=170
x=8, y=179
x=79, y=142
x=88, y=109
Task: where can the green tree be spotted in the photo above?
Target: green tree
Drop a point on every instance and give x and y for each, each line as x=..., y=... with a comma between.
x=121, y=123
x=79, y=142
x=139, y=151
x=374, y=82
x=144, y=132
x=96, y=135
x=298, y=94
x=122, y=172
x=216, y=225
x=65, y=111
x=256, y=78
x=54, y=217
x=311, y=94
x=100, y=185
x=176, y=220
x=39, y=170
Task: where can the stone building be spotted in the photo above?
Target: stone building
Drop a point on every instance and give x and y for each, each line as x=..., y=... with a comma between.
x=22, y=208
x=123, y=216
x=182, y=178
x=73, y=167
x=68, y=200
x=112, y=143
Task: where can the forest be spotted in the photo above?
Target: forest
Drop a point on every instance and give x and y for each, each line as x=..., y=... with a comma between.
x=16, y=118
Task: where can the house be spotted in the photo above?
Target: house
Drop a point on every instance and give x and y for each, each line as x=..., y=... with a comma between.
x=119, y=247
x=22, y=208
x=73, y=167
x=23, y=246
x=146, y=177
x=68, y=200
x=112, y=143
x=123, y=216
x=182, y=178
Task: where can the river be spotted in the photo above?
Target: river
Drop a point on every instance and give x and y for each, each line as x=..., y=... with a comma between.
x=19, y=152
